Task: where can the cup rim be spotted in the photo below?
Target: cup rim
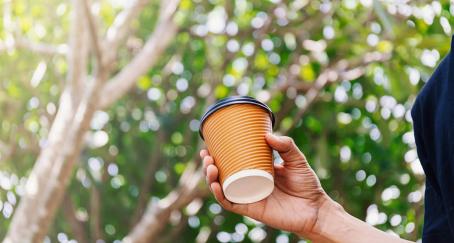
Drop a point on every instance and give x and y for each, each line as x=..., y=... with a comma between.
x=252, y=196
x=231, y=100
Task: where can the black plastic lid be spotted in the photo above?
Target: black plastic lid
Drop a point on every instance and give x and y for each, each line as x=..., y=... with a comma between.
x=230, y=101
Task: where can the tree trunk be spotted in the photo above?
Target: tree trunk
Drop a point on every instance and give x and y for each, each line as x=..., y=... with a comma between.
x=50, y=175
x=52, y=171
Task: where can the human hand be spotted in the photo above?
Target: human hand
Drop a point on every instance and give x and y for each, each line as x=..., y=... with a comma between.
x=296, y=199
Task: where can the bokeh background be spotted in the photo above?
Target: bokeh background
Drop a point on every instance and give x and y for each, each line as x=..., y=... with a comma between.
x=100, y=103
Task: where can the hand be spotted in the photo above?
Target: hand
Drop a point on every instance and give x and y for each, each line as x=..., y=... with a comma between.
x=297, y=197
x=298, y=203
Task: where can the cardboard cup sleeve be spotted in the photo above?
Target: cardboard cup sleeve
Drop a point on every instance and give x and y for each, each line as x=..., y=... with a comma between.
x=234, y=131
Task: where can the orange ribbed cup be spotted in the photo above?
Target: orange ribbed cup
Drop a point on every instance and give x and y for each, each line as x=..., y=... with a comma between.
x=235, y=137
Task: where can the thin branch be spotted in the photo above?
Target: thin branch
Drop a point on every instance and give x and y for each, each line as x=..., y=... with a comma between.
x=341, y=70
x=176, y=231
x=289, y=78
x=36, y=47
x=95, y=214
x=152, y=166
x=121, y=27
x=8, y=23
x=95, y=43
x=77, y=53
x=157, y=214
x=14, y=40
x=300, y=86
x=4, y=149
x=145, y=59
x=205, y=232
x=77, y=227
x=41, y=48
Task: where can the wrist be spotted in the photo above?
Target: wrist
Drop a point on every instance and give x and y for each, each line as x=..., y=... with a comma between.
x=329, y=215
x=333, y=224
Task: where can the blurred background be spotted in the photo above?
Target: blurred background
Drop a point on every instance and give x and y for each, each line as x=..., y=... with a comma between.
x=100, y=103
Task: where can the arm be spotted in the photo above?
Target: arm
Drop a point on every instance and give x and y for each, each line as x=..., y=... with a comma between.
x=334, y=224
x=298, y=202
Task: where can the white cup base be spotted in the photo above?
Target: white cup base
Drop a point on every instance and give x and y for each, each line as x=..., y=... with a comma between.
x=248, y=186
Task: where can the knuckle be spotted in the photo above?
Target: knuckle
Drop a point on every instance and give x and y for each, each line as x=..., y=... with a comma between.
x=288, y=141
x=226, y=205
x=208, y=166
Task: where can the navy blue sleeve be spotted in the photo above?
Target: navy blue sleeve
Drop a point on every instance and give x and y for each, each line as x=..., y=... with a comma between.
x=433, y=120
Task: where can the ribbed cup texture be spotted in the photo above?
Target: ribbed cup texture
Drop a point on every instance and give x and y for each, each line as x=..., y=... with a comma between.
x=235, y=137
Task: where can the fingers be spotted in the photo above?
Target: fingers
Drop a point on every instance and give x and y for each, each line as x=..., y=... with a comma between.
x=282, y=144
x=219, y=196
x=207, y=160
x=212, y=174
x=287, y=149
x=210, y=170
x=203, y=153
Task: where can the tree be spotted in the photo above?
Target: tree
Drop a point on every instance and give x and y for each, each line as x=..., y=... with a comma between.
x=340, y=76
x=83, y=94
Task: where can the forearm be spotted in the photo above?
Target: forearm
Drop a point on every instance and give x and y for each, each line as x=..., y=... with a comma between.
x=336, y=225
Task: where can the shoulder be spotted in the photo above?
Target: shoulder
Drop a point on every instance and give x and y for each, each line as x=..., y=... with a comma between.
x=439, y=88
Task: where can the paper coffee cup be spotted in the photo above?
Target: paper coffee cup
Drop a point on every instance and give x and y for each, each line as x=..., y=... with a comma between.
x=234, y=131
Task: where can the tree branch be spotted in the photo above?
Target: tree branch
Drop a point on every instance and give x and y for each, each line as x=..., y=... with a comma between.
x=8, y=23
x=176, y=230
x=145, y=59
x=341, y=70
x=14, y=40
x=51, y=173
x=78, y=53
x=5, y=150
x=77, y=226
x=147, y=182
x=290, y=78
x=95, y=43
x=95, y=219
x=36, y=47
x=157, y=214
x=121, y=27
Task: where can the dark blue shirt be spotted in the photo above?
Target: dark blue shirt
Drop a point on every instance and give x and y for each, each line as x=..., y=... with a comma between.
x=433, y=120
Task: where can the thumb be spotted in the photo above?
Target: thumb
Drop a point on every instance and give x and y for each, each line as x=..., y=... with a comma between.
x=287, y=149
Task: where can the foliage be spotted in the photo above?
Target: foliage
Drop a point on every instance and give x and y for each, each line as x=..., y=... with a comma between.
x=357, y=134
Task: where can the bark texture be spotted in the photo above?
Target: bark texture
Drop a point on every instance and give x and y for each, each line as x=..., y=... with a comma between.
x=82, y=96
